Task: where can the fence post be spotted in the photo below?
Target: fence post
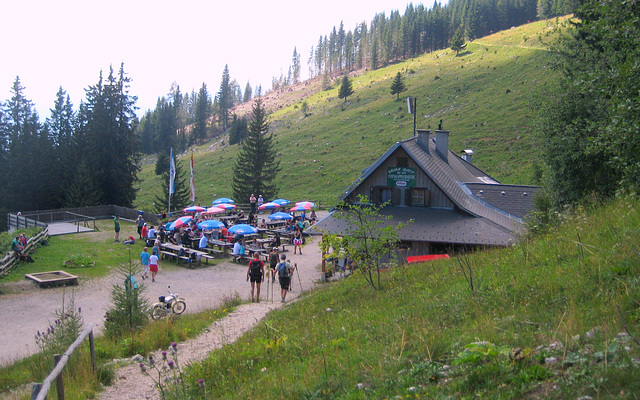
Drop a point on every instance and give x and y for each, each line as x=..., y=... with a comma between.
x=59, y=380
x=92, y=350
x=35, y=390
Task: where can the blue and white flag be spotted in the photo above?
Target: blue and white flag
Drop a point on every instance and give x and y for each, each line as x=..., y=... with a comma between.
x=172, y=174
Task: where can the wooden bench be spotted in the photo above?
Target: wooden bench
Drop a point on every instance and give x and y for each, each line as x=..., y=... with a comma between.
x=165, y=254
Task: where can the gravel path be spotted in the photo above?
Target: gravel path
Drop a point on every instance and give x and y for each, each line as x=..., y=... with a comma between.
x=25, y=308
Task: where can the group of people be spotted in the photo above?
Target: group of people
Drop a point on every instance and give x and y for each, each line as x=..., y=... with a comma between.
x=256, y=275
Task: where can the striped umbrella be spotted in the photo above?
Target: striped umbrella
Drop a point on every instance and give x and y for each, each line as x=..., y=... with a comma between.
x=182, y=221
x=226, y=206
x=193, y=209
x=269, y=206
x=214, y=210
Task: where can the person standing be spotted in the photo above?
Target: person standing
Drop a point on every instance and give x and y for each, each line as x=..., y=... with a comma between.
x=260, y=201
x=285, y=270
x=255, y=274
x=144, y=260
x=297, y=240
x=253, y=202
x=116, y=227
x=153, y=266
x=140, y=224
x=273, y=262
x=144, y=231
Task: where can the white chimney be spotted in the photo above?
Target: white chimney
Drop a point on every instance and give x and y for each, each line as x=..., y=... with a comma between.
x=442, y=144
x=467, y=154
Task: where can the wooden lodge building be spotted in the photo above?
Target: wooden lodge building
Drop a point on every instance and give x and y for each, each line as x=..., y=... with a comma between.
x=452, y=203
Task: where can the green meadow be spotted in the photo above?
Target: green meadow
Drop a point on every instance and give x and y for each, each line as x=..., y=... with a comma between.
x=484, y=96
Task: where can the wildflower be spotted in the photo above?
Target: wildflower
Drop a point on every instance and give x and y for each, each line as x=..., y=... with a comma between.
x=170, y=364
x=79, y=309
x=164, y=355
x=201, y=383
x=151, y=360
x=143, y=367
x=174, y=345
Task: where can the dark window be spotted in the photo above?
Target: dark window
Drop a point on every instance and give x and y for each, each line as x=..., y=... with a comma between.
x=418, y=197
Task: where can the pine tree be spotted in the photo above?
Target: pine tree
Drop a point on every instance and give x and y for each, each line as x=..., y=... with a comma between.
x=203, y=105
x=296, y=67
x=225, y=98
x=256, y=167
x=345, y=89
x=180, y=198
x=248, y=93
x=398, y=86
x=238, y=130
x=109, y=143
x=457, y=42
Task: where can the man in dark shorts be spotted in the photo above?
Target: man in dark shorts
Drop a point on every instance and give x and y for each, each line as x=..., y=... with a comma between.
x=255, y=274
x=285, y=270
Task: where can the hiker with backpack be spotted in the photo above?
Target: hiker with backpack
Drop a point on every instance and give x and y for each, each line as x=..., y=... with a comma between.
x=285, y=270
x=255, y=274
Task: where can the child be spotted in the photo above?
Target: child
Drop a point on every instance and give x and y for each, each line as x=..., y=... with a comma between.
x=153, y=266
x=144, y=260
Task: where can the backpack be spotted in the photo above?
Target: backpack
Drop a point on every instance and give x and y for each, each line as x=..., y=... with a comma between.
x=283, y=271
x=254, y=269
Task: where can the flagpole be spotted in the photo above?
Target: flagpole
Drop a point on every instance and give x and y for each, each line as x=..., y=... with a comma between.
x=172, y=175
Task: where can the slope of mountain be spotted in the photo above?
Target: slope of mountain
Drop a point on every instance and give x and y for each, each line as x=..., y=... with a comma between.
x=483, y=95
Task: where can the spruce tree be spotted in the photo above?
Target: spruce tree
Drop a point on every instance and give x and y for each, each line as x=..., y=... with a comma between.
x=180, y=198
x=238, y=130
x=398, y=86
x=203, y=104
x=256, y=167
x=225, y=98
x=345, y=89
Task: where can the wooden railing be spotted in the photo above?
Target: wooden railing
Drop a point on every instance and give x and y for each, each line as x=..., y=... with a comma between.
x=10, y=259
x=39, y=391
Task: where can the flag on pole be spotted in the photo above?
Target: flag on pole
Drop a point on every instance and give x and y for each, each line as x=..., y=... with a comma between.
x=192, y=182
x=172, y=174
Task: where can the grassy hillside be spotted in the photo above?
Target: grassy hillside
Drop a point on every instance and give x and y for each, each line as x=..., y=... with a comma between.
x=483, y=95
x=540, y=321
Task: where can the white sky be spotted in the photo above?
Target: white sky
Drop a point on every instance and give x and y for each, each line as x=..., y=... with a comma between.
x=66, y=43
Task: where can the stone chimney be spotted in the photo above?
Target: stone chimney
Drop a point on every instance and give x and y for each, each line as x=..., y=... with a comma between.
x=467, y=154
x=442, y=144
x=423, y=139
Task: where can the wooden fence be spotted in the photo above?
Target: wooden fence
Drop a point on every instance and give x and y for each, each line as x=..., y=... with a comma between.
x=39, y=391
x=10, y=259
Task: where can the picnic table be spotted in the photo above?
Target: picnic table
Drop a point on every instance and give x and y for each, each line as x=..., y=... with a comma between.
x=169, y=250
x=219, y=246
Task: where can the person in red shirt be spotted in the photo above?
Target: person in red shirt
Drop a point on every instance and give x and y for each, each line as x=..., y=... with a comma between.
x=255, y=274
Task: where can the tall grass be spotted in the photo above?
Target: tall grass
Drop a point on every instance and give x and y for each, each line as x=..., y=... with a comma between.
x=543, y=323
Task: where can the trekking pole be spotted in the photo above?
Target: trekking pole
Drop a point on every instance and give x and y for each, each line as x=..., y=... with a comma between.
x=299, y=281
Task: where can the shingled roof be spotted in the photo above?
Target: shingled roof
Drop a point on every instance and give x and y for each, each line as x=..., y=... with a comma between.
x=486, y=212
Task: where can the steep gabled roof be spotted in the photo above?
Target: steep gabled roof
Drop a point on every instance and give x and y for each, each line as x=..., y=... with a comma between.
x=452, y=176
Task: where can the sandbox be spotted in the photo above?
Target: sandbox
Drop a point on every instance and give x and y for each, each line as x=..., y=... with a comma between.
x=53, y=278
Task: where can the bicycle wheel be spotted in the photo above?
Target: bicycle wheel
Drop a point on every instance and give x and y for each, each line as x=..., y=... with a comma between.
x=157, y=312
x=179, y=307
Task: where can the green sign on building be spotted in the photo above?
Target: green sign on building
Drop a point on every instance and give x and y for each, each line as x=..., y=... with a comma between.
x=401, y=177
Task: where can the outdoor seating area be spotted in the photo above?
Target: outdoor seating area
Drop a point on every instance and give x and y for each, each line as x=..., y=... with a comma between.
x=224, y=231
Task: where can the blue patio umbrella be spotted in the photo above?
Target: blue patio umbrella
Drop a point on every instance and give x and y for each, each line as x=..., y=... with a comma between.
x=280, y=216
x=210, y=224
x=182, y=221
x=223, y=200
x=282, y=202
x=243, y=229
